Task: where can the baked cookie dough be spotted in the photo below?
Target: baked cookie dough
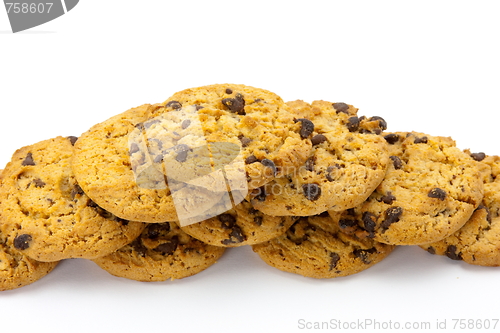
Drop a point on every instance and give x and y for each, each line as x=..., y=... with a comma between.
x=238, y=226
x=162, y=252
x=430, y=190
x=49, y=216
x=478, y=241
x=348, y=160
x=315, y=247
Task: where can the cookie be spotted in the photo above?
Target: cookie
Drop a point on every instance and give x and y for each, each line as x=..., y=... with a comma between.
x=162, y=252
x=51, y=216
x=315, y=247
x=478, y=241
x=238, y=226
x=347, y=162
x=16, y=269
x=430, y=190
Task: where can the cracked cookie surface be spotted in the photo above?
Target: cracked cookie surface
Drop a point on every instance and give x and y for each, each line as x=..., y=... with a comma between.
x=238, y=226
x=162, y=252
x=478, y=241
x=348, y=160
x=49, y=216
x=430, y=190
x=315, y=247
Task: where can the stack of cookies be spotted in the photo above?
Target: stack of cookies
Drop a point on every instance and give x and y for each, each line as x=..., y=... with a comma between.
x=160, y=191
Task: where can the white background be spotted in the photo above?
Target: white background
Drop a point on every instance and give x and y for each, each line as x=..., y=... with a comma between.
x=428, y=66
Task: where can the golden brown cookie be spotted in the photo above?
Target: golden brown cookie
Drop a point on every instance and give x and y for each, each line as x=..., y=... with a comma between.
x=50, y=216
x=348, y=160
x=478, y=241
x=315, y=247
x=238, y=226
x=430, y=190
x=162, y=252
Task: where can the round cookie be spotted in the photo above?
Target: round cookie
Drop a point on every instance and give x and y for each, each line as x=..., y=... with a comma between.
x=478, y=241
x=314, y=247
x=163, y=251
x=240, y=225
x=348, y=160
x=430, y=190
x=16, y=269
x=50, y=215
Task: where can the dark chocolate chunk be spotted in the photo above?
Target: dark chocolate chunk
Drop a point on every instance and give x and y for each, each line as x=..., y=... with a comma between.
x=261, y=195
x=28, y=160
x=257, y=220
x=311, y=191
x=451, y=252
x=228, y=221
x=244, y=141
x=317, y=139
x=154, y=230
x=334, y=259
x=158, y=158
x=387, y=199
x=347, y=223
x=138, y=247
x=38, y=182
x=134, y=148
x=307, y=127
x=174, y=105
x=251, y=159
x=270, y=164
x=309, y=165
x=353, y=124
x=420, y=140
x=22, y=242
x=185, y=123
x=392, y=215
x=236, y=104
x=369, y=223
x=229, y=91
x=396, y=161
x=431, y=250
x=391, y=138
x=437, y=193
x=488, y=215
x=478, y=156
x=169, y=247
x=72, y=139
x=364, y=255
x=381, y=122
x=341, y=107
x=77, y=190
x=182, y=152
x=236, y=236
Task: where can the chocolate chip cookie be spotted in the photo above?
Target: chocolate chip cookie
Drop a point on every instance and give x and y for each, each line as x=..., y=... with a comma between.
x=162, y=252
x=238, y=226
x=348, y=160
x=315, y=247
x=478, y=241
x=51, y=218
x=430, y=190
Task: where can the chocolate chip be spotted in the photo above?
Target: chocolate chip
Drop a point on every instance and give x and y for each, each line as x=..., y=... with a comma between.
x=391, y=138
x=420, y=140
x=236, y=104
x=236, y=236
x=154, y=230
x=169, y=247
x=341, y=107
x=347, y=223
x=270, y=164
x=251, y=159
x=185, y=123
x=77, y=190
x=159, y=158
x=387, y=199
x=261, y=195
x=138, y=247
x=307, y=127
x=72, y=139
x=28, y=160
x=309, y=165
x=381, y=122
x=182, y=152
x=488, y=215
x=369, y=223
x=22, y=242
x=478, y=156
x=134, y=148
x=38, y=182
x=334, y=259
x=364, y=255
x=451, y=252
x=396, y=161
x=392, y=215
x=311, y=191
x=229, y=91
x=353, y=124
x=228, y=221
x=174, y=105
x=318, y=138
x=244, y=141
x=258, y=220
x=437, y=193
x=431, y=250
